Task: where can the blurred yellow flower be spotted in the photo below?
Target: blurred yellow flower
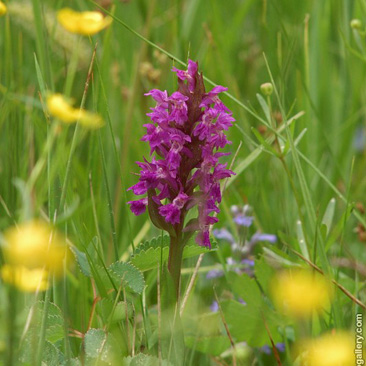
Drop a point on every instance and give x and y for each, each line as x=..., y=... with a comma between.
x=86, y=23
x=3, y=9
x=35, y=245
x=27, y=280
x=60, y=108
x=299, y=292
x=329, y=350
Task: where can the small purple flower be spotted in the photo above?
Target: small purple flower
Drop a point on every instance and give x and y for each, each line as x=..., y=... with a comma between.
x=241, y=216
x=190, y=75
x=186, y=130
x=242, y=301
x=172, y=211
x=138, y=207
x=214, y=273
x=243, y=220
x=268, y=350
x=214, y=307
x=223, y=234
x=263, y=237
x=281, y=347
x=248, y=262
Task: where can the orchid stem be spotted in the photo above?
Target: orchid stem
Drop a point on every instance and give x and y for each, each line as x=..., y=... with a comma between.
x=175, y=262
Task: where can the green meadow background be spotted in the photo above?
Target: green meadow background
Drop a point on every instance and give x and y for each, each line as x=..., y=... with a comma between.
x=316, y=62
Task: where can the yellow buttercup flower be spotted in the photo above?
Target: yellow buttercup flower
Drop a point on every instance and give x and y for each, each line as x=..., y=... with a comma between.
x=86, y=23
x=60, y=108
x=35, y=245
x=299, y=293
x=3, y=9
x=329, y=350
x=27, y=280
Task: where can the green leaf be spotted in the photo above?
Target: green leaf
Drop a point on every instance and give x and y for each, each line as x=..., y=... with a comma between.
x=264, y=273
x=214, y=345
x=265, y=107
x=144, y=360
x=148, y=254
x=72, y=362
x=158, y=242
x=302, y=242
x=128, y=274
x=54, y=324
x=105, y=307
x=338, y=227
x=328, y=215
x=263, y=142
x=101, y=348
x=82, y=261
x=51, y=355
x=247, y=323
x=276, y=256
x=245, y=287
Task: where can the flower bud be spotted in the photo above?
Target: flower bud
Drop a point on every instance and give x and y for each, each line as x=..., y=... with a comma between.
x=356, y=24
x=267, y=89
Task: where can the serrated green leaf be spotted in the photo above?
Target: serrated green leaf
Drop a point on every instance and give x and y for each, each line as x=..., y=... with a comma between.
x=51, y=355
x=128, y=274
x=54, y=323
x=150, y=253
x=82, y=261
x=161, y=241
x=101, y=348
x=150, y=258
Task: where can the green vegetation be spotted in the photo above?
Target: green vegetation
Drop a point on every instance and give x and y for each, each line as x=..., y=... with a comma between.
x=298, y=151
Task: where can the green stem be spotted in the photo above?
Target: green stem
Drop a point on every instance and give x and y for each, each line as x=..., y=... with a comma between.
x=175, y=262
x=11, y=337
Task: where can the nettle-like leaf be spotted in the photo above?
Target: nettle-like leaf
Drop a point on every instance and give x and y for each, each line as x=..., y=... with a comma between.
x=121, y=273
x=51, y=355
x=112, y=276
x=101, y=348
x=82, y=261
x=54, y=323
x=55, y=331
x=145, y=360
x=149, y=254
x=128, y=274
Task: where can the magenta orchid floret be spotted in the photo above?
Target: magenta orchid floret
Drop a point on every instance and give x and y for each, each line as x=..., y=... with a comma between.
x=188, y=127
